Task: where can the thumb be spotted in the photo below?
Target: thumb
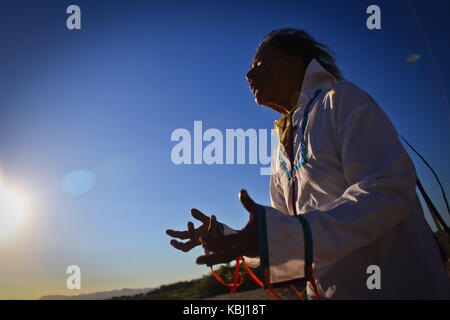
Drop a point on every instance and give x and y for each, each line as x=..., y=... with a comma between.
x=248, y=203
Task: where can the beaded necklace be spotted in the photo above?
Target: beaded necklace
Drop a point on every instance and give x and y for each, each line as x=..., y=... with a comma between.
x=291, y=174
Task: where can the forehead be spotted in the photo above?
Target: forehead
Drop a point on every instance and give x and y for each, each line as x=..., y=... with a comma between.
x=267, y=53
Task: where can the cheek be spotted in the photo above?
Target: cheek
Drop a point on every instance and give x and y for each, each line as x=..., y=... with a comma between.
x=266, y=85
x=265, y=90
x=269, y=83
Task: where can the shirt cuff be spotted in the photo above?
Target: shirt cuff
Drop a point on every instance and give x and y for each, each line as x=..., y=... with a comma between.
x=285, y=247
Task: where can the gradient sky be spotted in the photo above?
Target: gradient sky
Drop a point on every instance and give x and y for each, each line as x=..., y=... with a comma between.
x=105, y=99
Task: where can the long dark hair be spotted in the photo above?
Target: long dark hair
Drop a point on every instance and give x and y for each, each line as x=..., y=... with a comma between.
x=292, y=41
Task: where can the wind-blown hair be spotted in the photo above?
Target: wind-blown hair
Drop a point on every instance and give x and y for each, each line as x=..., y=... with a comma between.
x=292, y=41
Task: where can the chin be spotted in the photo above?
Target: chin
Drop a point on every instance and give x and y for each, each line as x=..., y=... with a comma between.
x=258, y=99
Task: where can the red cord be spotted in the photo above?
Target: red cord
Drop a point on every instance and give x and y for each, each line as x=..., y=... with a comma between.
x=299, y=294
x=255, y=279
x=252, y=276
x=313, y=282
x=233, y=285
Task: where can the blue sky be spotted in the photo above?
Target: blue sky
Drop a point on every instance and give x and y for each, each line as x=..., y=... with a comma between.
x=105, y=99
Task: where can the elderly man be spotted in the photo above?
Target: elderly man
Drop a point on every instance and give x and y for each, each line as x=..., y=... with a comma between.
x=344, y=212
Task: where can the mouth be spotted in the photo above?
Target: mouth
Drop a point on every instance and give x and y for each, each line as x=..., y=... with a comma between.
x=253, y=88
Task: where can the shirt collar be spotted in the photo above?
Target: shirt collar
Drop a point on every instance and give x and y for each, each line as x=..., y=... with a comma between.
x=316, y=77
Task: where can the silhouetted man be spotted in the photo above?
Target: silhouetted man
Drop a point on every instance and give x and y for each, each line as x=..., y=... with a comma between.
x=344, y=212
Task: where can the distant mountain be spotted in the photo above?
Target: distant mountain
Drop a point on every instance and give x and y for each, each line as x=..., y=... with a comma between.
x=103, y=295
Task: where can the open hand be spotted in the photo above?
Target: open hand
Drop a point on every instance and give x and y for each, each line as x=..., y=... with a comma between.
x=208, y=223
x=228, y=248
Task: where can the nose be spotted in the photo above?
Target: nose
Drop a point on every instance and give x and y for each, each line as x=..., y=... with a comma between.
x=250, y=75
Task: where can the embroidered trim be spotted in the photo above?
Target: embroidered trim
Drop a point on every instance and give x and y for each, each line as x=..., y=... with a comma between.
x=303, y=151
x=263, y=246
x=307, y=237
x=308, y=244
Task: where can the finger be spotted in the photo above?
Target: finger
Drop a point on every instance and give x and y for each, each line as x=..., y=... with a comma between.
x=185, y=247
x=216, y=258
x=190, y=227
x=212, y=228
x=249, y=205
x=178, y=234
x=197, y=214
x=247, y=202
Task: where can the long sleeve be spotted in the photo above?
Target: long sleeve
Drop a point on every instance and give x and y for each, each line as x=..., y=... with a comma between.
x=380, y=193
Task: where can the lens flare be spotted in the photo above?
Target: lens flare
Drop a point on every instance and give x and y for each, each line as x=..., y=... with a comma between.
x=78, y=182
x=11, y=211
x=412, y=58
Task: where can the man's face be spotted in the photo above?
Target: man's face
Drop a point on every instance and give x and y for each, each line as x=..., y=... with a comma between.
x=275, y=78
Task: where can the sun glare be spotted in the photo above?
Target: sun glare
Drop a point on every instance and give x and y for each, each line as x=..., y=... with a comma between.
x=11, y=211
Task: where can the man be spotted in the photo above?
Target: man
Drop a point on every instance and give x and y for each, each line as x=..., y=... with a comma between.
x=344, y=211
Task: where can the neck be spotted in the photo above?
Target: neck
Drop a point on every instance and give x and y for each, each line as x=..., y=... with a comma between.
x=289, y=105
x=279, y=109
x=295, y=94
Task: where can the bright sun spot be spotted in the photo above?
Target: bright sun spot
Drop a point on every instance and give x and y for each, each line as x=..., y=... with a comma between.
x=11, y=211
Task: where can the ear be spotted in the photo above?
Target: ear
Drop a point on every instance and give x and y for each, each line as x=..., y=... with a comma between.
x=298, y=60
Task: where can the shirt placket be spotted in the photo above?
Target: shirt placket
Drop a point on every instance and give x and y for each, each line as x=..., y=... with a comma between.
x=289, y=162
